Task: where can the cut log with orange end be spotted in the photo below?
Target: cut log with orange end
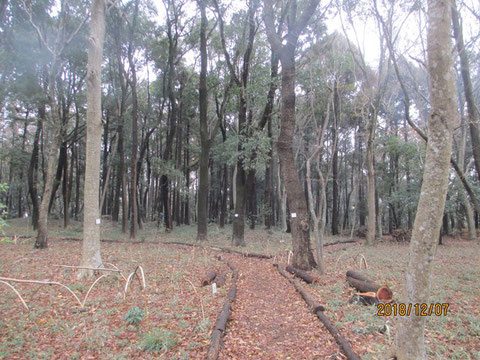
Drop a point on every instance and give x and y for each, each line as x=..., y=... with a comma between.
x=384, y=294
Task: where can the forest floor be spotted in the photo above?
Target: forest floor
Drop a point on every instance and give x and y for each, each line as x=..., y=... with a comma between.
x=176, y=315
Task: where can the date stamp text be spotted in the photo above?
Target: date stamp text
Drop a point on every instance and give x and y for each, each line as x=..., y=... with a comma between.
x=402, y=309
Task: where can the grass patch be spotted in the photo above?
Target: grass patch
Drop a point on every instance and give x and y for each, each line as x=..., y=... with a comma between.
x=158, y=341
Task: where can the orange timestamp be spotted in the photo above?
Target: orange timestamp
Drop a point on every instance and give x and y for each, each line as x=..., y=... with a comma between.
x=422, y=309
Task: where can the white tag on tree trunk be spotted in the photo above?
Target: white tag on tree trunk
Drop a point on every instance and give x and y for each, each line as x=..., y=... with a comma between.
x=97, y=221
x=294, y=215
x=236, y=215
x=214, y=288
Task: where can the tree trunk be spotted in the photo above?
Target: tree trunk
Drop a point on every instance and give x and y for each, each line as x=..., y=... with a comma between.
x=224, y=193
x=67, y=179
x=186, y=215
x=409, y=340
x=105, y=155
x=267, y=209
x=282, y=198
x=371, y=178
x=133, y=160
x=251, y=189
x=238, y=236
x=62, y=162
x=299, y=222
x=33, y=169
x=91, y=220
x=302, y=252
x=202, y=228
x=467, y=208
x=335, y=201
x=267, y=119
x=56, y=139
x=467, y=87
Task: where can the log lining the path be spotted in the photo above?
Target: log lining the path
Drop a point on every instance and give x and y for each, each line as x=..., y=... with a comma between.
x=302, y=274
x=222, y=318
x=221, y=279
x=318, y=310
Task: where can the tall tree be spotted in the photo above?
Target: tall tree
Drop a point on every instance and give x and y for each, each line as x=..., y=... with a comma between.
x=241, y=80
x=205, y=142
x=335, y=180
x=133, y=160
x=409, y=340
x=55, y=50
x=467, y=88
x=91, y=219
x=296, y=23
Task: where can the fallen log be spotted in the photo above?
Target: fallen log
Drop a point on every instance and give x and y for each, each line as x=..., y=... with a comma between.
x=302, y=274
x=208, y=279
x=347, y=349
x=226, y=250
x=252, y=255
x=369, y=298
x=362, y=285
x=108, y=240
x=358, y=276
x=232, y=293
x=319, y=311
x=384, y=294
x=339, y=242
x=309, y=299
x=221, y=279
x=366, y=287
x=223, y=317
x=230, y=265
x=214, y=348
x=102, y=240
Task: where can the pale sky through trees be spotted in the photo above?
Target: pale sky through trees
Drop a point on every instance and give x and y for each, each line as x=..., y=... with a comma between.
x=364, y=33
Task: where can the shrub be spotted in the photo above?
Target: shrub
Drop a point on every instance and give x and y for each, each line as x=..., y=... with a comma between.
x=134, y=316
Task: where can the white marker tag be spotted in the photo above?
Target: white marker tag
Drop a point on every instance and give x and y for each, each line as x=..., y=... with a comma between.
x=214, y=288
x=236, y=215
x=97, y=221
x=294, y=215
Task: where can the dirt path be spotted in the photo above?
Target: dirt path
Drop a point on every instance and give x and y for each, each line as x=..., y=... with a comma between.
x=271, y=321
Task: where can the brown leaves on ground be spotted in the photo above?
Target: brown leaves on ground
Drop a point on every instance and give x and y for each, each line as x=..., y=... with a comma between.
x=57, y=328
x=270, y=320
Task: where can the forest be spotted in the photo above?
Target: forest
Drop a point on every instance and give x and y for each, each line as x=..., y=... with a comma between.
x=235, y=179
